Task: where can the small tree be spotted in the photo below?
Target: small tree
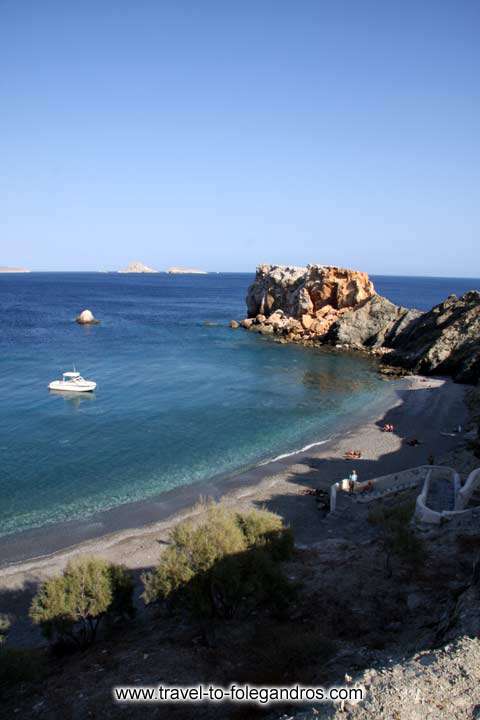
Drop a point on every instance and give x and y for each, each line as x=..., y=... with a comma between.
x=262, y=528
x=228, y=559
x=71, y=607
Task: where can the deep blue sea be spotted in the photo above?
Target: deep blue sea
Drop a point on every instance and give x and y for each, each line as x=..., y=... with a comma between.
x=181, y=398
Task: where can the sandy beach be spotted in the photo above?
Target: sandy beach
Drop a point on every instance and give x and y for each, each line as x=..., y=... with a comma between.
x=425, y=408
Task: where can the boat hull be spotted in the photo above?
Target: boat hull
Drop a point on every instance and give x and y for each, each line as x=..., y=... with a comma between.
x=70, y=387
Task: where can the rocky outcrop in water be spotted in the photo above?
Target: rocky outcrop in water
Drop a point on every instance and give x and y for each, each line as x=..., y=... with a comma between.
x=86, y=317
x=376, y=324
x=299, y=291
x=443, y=341
x=137, y=267
x=324, y=304
x=185, y=271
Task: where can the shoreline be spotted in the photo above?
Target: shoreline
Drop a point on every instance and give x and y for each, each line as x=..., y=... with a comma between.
x=139, y=516
x=418, y=407
x=113, y=530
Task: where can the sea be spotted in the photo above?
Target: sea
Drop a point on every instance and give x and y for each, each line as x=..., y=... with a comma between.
x=180, y=399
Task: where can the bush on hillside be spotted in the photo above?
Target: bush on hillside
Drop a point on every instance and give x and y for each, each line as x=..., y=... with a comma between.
x=227, y=560
x=262, y=528
x=70, y=607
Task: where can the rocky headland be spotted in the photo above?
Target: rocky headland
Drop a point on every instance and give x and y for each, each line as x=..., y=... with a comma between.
x=137, y=267
x=5, y=269
x=328, y=305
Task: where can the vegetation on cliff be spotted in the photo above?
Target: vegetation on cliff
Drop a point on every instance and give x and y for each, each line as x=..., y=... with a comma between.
x=70, y=608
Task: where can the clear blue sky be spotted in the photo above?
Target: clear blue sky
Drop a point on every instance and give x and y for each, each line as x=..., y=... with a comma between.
x=224, y=134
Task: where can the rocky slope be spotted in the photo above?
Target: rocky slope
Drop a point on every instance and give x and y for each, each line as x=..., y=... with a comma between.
x=432, y=685
x=445, y=340
x=336, y=306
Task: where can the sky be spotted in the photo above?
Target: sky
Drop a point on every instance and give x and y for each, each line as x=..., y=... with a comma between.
x=223, y=134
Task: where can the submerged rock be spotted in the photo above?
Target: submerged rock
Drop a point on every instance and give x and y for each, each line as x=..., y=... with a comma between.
x=234, y=324
x=86, y=317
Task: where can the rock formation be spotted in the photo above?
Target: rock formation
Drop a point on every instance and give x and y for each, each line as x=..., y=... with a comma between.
x=443, y=341
x=4, y=269
x=86, y=317
x=185, y=271
x=330, y=305
x=137, y=267
x=299, y=291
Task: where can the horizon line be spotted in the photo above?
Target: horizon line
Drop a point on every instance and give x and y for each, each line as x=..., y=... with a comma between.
x=223, y=272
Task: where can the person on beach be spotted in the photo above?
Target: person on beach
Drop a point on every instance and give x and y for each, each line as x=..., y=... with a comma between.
x=354, y=476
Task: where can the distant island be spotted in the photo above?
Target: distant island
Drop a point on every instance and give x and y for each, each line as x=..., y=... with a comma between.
x=4, y=269
x=137, y=267
x=185, y=271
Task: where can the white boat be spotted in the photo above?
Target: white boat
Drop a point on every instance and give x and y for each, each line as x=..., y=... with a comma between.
x=73, y=382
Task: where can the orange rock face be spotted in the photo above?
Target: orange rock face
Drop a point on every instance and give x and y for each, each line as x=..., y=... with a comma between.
x=313, y=297
x=337, y=287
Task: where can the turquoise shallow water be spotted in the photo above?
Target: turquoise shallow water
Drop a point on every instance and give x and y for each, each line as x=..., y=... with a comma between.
x=181, y=397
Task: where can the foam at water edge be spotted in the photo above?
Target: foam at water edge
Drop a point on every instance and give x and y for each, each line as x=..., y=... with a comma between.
x=294, y=452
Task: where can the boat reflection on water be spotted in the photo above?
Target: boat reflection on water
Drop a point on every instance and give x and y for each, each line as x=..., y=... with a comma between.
x=74, y=399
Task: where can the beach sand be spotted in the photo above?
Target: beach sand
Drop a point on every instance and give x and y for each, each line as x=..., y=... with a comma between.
x=423, y=408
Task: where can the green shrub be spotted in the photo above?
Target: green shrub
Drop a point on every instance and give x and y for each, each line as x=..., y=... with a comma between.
x=20, y=665
x=121, y=583
x=193, y=551
x=263, y=528
x=70, y=607
x=227, y=560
